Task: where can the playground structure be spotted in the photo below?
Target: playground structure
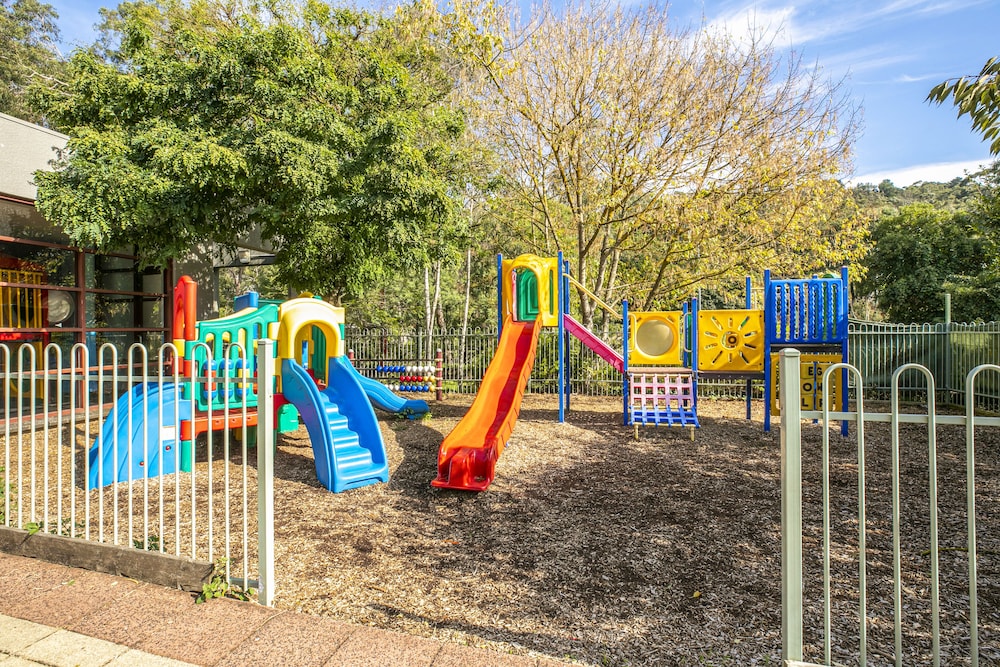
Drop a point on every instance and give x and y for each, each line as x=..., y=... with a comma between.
x=527, y=300
x=663, y=354
x=152, y=428
x=809, y=314
x=22, y=305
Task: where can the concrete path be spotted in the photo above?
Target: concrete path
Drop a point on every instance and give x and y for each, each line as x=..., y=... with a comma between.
x=66, y=617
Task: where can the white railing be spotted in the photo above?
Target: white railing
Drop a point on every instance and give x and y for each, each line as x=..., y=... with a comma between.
x=86, y=436
x=921, y=612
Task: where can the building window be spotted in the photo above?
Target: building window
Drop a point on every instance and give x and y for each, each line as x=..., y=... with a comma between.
x=51, y=292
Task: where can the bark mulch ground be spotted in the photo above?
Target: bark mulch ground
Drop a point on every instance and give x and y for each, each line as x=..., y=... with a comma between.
x=595, y=547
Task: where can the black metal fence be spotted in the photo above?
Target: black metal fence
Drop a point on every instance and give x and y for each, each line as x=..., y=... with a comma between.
x=877, y=349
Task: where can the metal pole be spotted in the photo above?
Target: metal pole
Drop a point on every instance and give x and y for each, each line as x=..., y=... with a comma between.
x=499, y=295
x=626, y=399
x=947, y=385
x=561, y=337
x=265, y=471
x=843, y=327
x=791, y=505
x=749, y=306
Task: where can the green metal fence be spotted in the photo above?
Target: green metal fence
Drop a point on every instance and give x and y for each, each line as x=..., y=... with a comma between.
x=876, y=349
x=949, y=351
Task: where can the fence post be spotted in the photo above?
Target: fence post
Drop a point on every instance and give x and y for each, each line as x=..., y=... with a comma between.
x=439, y=375
x=791, y=504
x=265, y=471
x=948, y=385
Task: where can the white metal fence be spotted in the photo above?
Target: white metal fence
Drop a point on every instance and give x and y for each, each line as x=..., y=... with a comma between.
x=85, y=436
x=881, y=539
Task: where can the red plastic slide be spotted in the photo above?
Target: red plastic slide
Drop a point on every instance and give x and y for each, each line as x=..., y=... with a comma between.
x=468, y=455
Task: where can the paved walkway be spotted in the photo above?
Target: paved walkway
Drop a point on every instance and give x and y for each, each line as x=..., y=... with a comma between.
x=66, y=617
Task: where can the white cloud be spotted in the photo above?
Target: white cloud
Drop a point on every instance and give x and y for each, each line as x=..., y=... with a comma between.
x=749, y=21
x=804, y=21
x=941, y=172
x=908, y=78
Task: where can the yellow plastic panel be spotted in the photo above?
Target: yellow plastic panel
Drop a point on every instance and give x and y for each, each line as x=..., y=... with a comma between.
x=295, y=319
x=546, y=270
x=811, y=371
x=654, y=338
x=731, y=341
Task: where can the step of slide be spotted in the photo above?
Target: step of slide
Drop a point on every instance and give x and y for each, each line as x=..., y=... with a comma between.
x=343, y=438
x=353, y=457
x=334, y=418
x=362, y=476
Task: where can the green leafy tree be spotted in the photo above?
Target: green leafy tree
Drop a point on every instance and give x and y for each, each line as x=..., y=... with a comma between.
x=977, y=97
x=920, y=253
x=326, y=129
x=989, y=196
x=958, y=194
x=28, y=35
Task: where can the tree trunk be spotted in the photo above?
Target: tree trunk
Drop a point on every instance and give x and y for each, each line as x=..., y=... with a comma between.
x=465, y=308
x=428, y=313
x=434, y=306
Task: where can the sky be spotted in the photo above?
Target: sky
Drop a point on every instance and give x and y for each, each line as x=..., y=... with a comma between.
x=889, y=54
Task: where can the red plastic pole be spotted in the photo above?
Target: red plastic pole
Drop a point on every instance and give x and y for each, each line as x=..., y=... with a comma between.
x=185, y=315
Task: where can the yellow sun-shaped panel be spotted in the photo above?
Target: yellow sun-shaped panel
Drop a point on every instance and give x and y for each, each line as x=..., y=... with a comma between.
x=731, y=341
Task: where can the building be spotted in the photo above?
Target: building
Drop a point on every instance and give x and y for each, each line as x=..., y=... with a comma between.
x=54, y=292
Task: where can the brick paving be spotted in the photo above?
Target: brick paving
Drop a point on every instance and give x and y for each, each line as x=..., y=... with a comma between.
x=61, y=616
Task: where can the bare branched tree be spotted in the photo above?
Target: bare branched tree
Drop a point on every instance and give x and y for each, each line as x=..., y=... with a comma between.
x=656, y=157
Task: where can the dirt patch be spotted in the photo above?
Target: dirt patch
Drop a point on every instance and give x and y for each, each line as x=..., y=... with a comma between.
x=595, y=547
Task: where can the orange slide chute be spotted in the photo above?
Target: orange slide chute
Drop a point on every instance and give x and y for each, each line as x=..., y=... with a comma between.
x=468, y=455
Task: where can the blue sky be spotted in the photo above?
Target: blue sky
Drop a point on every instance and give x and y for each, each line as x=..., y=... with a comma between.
x=890, y=51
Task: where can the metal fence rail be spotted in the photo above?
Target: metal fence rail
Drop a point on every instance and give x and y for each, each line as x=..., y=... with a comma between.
x=64, y=413
x=883, y=577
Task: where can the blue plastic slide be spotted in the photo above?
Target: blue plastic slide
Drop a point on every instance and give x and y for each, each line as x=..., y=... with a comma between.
x=346, y=440
x=383, y=398
x=121, y=453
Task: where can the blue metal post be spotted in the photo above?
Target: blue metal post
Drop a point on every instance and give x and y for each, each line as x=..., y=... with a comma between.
x=561, y=339
x=842, y=325
x=694, y=335
x=564, y=289
x=625, y=387
x=499, y=295
x=769, y=328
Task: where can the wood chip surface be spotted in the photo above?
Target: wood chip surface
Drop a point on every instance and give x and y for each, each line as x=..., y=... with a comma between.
x=593, y=547
x=590, y=546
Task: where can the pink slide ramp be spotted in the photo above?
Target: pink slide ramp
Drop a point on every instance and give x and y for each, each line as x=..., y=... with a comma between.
x=602, y=349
